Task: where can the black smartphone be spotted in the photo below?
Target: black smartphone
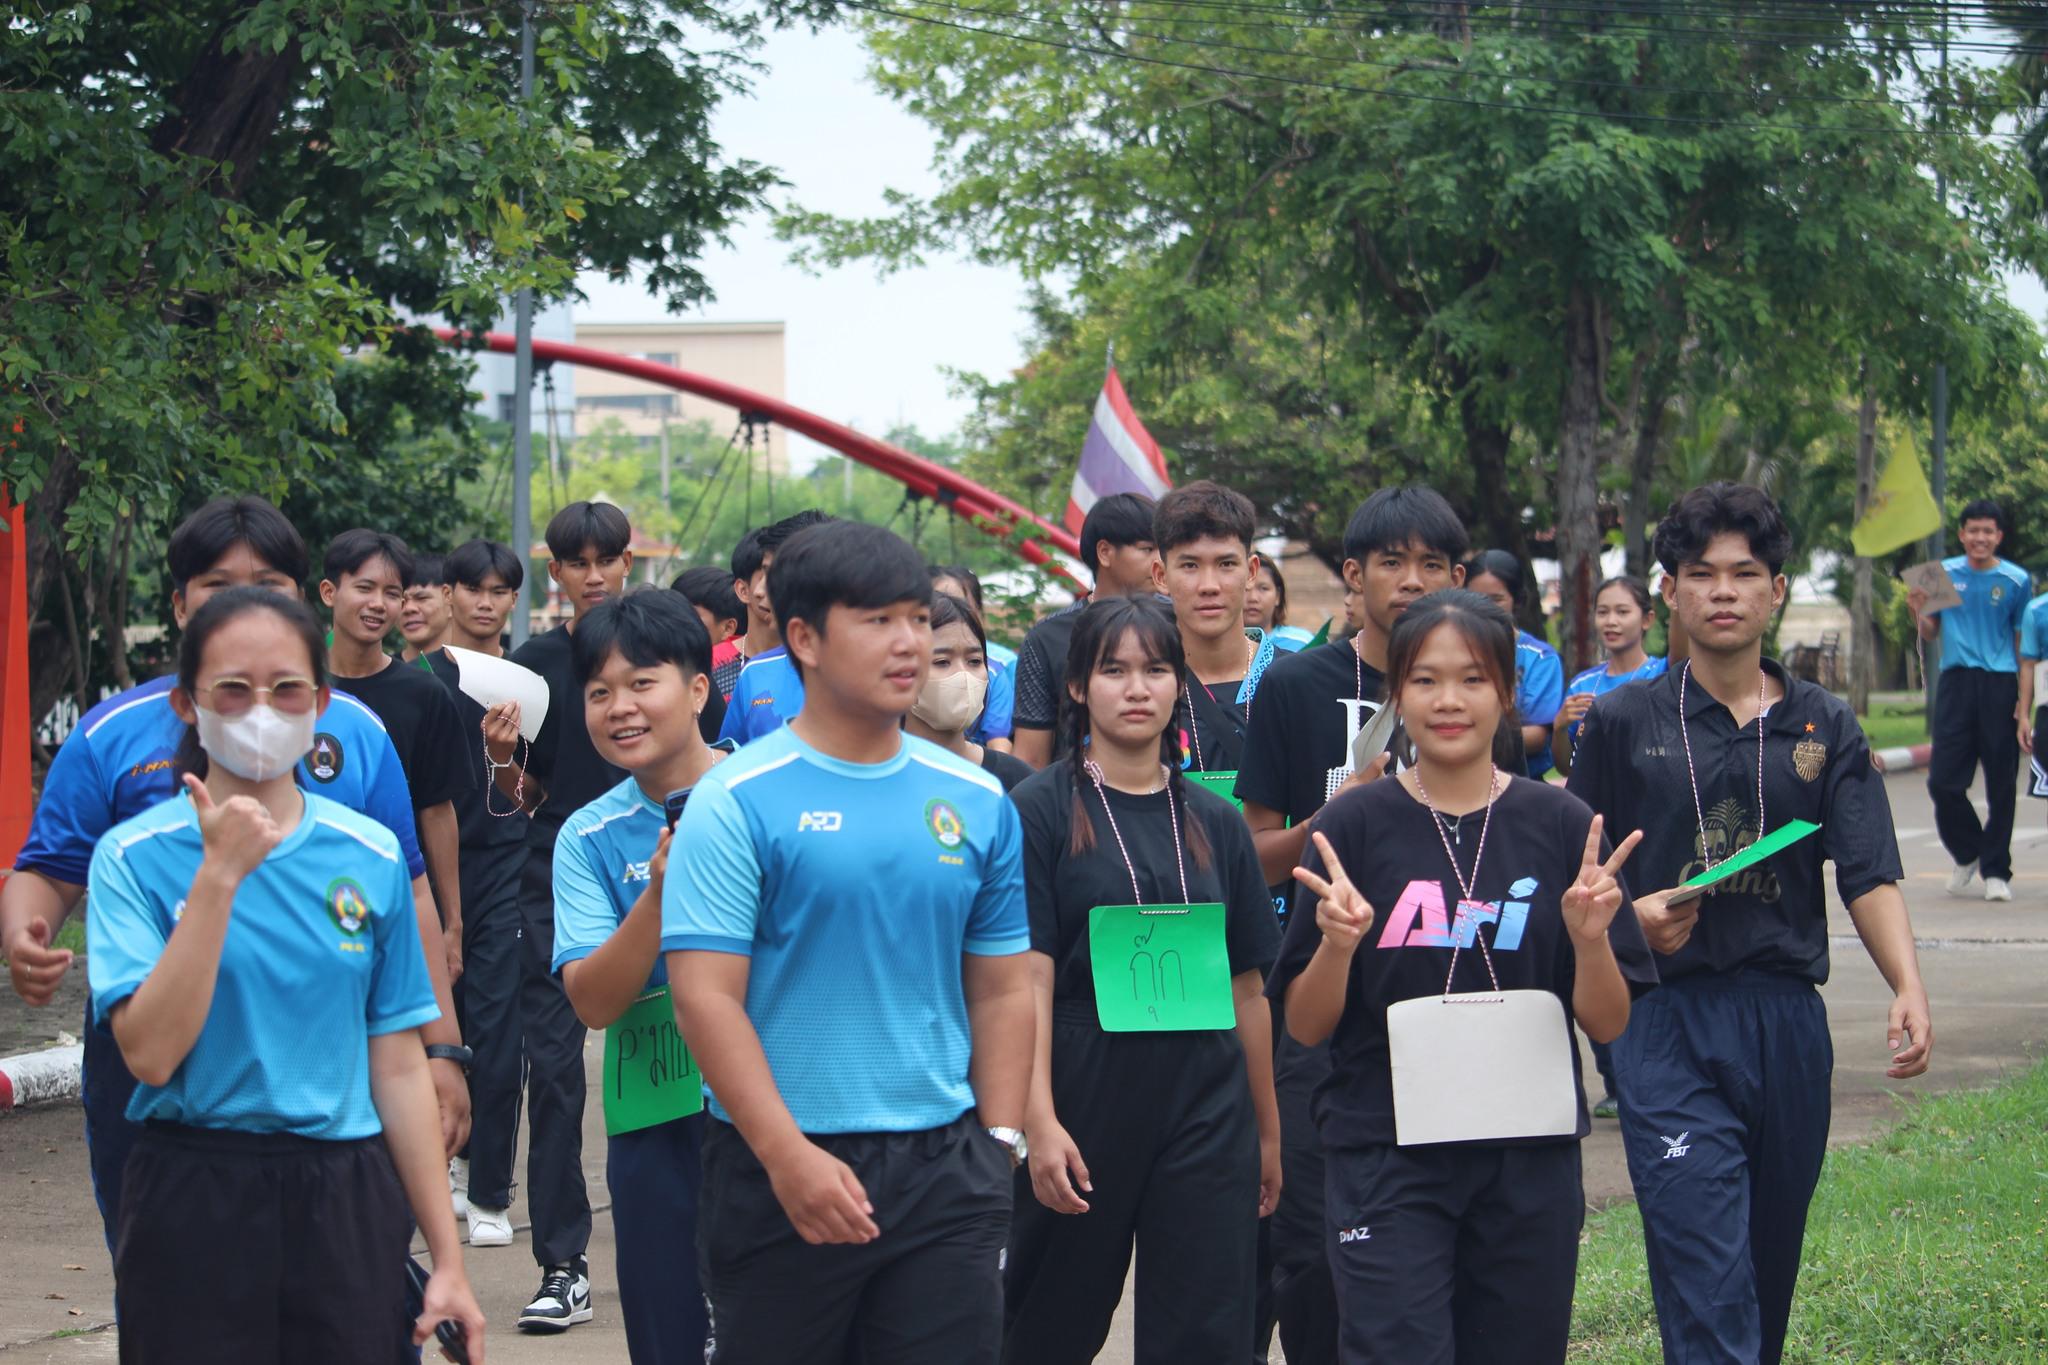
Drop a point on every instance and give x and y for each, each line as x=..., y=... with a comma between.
x=672, y=805
x=452, y=1335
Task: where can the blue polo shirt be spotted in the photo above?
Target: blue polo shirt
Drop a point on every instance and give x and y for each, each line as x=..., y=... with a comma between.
x=1978, y=632
x=767, y=696
x=1600, y=682
x=322, y=953
x=117, y=764
x=1539, y=689
x=2034, y=632
x=854, y=888
x=999, y=707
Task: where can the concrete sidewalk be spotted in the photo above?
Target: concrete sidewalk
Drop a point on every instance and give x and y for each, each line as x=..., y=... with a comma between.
x=1983, y=966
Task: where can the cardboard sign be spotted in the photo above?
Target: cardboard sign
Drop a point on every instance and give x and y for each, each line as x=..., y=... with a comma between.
x=1223, y=784
x=1481, y=1068
x=489, y=680
x=650, y=1077
x=1933, y=580
x=1783, y=836
x=1160, y=968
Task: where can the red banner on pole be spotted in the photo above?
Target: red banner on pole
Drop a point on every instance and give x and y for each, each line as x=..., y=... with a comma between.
x=15, y=737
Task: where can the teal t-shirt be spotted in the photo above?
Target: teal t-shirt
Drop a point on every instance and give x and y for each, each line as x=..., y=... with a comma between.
x=1977, y=633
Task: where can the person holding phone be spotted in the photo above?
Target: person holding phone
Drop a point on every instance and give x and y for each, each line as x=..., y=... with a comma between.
x=644, y=664
x=1460, y=1250
x=252, y=947
x=1163, y=1134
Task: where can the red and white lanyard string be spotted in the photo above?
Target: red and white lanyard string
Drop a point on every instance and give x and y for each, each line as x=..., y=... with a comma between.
x=1465, y=884
x=1251, y=654
x=1094, y=771
x=1685, y=674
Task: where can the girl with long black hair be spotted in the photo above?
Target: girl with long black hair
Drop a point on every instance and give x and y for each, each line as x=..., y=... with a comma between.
x=1454, y=1210
x=1151, y=1116
x=254, y=949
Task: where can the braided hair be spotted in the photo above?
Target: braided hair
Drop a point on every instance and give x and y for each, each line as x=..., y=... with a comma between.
x=1102, y=629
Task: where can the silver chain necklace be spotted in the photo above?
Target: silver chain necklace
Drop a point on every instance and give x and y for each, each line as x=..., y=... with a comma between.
x=1692, y=778
x=1094, y=771
x=1464, y=885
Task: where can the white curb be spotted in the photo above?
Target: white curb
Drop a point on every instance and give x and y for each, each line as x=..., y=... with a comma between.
x=51, y=1076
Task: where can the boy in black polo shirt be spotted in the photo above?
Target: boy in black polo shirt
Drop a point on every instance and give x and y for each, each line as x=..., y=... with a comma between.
x=1116, y=545
x=1723, y=1073
x=1401, y=543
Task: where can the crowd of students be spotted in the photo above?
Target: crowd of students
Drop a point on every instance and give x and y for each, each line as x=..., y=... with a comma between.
x=938, y=981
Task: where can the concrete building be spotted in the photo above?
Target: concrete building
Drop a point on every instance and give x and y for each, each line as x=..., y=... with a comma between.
x=749, y=354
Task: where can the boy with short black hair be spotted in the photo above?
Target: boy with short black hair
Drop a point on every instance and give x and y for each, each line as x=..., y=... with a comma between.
x=769, y=689
x=643, y=662
x=1117, y=548
x=710, y=590
x=1977, y=704
x=845, y=927
x=485, y=582
x=423, y=620
x=1203, y=533
x=1724, y=1071
x=1401, y=544
x=363, y=582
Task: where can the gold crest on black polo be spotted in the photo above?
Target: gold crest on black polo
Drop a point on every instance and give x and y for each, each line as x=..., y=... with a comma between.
x=1808, y=757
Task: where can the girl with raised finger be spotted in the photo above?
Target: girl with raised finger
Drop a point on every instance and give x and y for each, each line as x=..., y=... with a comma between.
x=1151, y=1118
x=1454, y=1200
x=254, y=949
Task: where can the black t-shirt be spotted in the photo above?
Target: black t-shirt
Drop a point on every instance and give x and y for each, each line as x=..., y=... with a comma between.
x=1041, y=672
x=423, y=727
x=1383, y=836
x=712, y=718
x=1005, y=768
x=473, y=807
x=1061, y=888
x=1218, y=740
x=1297, y=748
x=1630, y=765
x=563, y=760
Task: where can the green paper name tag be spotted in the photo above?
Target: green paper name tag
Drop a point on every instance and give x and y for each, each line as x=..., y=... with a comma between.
x=1160, y=968
x=650, y=1077
x=1785, y=835
x=1223, y=784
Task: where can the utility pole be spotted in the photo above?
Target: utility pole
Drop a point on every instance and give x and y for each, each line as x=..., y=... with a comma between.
x=522, y=376
x=1938, y=542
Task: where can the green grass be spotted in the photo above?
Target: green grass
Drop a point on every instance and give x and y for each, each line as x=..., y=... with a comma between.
x=72, y=935
x=1929, y=1246
x=1893, y=723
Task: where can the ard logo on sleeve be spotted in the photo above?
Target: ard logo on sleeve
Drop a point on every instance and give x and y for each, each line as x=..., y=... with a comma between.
x=324, y=762
x=348, y=905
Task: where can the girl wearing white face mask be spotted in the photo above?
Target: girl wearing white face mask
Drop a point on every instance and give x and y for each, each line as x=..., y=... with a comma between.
x=254, y=950
x=956, y=688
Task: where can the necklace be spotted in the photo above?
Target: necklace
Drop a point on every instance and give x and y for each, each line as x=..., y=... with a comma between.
x=1251, y=652
x=1685, y=736
x=1465, y=885
x=1094, y=771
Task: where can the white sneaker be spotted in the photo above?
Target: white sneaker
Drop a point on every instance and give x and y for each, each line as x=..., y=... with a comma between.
x=1997, y=889
x=1960, y=879
x=458, y=1185
x=489, y=1227
x=563, y=1300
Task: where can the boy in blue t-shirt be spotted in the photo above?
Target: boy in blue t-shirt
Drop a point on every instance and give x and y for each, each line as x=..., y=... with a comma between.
x=644, y=665
x=770, y=690
x=1977, y=715
x=117, y=764
x=845, y=928
x=2033, y=649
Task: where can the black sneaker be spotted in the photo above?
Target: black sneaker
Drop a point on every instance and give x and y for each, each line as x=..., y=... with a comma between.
x=563, y=1300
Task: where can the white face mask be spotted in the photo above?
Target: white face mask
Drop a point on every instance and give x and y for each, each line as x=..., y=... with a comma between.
x=257, y=745
x=950, y=703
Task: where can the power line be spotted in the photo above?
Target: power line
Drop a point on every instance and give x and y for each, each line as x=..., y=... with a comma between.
x=1307, y=82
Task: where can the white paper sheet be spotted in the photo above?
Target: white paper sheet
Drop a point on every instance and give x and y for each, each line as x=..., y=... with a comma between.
x=1933, y=580
x=1471, y=1068
x=489, y=680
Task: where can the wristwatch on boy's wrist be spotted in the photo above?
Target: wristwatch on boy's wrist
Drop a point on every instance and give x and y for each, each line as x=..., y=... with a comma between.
x=450, y=1052
x=1012, y=1138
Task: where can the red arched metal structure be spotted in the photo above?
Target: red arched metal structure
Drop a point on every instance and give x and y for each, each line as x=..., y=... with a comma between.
x=982, y=508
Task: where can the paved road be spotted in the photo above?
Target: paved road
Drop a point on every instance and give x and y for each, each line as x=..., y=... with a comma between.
x=1983, y=965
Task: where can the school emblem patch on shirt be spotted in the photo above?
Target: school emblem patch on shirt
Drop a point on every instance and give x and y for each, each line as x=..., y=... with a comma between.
x=945, y=824
x=1808, y=755
x=325, y=760
x=349, y=906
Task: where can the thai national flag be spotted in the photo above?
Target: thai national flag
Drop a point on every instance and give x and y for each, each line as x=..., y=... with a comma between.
x=1119, y=456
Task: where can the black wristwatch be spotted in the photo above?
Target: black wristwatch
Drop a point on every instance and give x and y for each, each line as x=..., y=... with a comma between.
x=451, y=1052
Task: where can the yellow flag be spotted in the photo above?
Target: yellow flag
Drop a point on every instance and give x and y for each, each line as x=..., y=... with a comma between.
x=1901, y=507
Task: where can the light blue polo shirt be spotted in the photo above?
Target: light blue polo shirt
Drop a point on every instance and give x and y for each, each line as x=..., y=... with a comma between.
x=322, y=953
x=855, y=889
x=1978, y=632
x=1600, y=682
x=767, y=697
x=1539, y=689
x=2034, y=632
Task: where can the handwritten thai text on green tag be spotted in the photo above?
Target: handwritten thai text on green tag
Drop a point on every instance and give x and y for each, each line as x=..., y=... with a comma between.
x=649, y=1075
x=1160, y=968
x=1223, y=784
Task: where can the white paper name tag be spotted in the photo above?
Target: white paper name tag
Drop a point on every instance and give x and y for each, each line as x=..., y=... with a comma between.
x=1488, y=1066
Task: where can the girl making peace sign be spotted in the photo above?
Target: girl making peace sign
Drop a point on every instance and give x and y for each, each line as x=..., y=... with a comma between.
x=1453, y=1251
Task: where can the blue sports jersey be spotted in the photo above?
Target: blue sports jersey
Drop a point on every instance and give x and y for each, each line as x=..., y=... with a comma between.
x=998, y=707
x=322, y=953
x=1539, y=689
x=854, y=888
x=1978, y=632
x=601, y=867
x=117, y=764
x=767, y=696
x=2034, y=631
x=1600, y=682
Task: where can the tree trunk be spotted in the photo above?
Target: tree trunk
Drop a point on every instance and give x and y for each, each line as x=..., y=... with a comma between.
x=1642, y=474
x=228, y=106
x=1862, y=620
x=1497, y=519
x=1578, y=464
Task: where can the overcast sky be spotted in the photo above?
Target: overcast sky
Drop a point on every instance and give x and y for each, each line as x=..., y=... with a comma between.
x=863, y=351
